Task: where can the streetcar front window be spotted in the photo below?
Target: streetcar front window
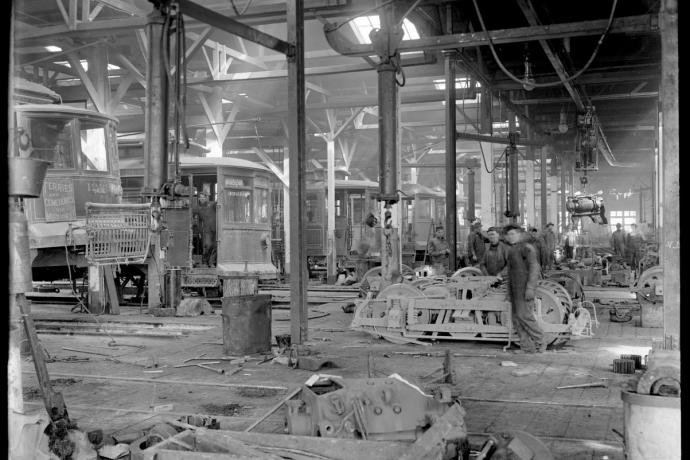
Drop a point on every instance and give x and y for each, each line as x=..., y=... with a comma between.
x=51, y=140
x=94, y=156
x=238, y=206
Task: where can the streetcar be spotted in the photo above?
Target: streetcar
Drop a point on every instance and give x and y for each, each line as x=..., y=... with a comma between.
x=81, y=147
x=240, y=190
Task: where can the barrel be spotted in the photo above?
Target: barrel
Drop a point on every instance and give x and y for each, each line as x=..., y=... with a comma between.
x=246, y=324
x=652, y=426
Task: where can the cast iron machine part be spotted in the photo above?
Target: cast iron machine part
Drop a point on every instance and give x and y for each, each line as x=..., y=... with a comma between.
x=378, y=409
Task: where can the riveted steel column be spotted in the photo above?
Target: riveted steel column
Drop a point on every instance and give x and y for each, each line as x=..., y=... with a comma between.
x=449, y=57
x=155, y=146
x=544, y=190
x=668, y=25
x=156, y=113
x=513, y=175
x=388, y=128
x=564, y=216
x=297, y=153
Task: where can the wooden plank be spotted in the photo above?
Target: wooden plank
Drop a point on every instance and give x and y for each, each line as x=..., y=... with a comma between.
x=332, y=448
x=111, y=290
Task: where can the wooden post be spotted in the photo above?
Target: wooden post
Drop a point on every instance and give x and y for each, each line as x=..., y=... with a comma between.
x=668, y=25
x=96, y=290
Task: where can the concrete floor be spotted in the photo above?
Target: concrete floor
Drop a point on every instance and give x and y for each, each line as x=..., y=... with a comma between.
x=573, y=423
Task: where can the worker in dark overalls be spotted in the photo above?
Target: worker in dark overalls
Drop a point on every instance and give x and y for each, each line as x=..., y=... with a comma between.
x=634, y=243
x=618, y=241
x=205, y=211
x=439, y=250
x=523, y=273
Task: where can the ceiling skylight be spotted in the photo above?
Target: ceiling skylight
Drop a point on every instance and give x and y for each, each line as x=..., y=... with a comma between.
x=362, y=25
x=460, y=83
x=85, y=65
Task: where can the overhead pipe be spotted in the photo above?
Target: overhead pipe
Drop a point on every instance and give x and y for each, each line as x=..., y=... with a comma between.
x=606, y=152
x=156, y=112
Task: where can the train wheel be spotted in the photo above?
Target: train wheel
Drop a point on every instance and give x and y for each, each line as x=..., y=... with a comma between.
x=399, y=290
x=559, y=291
x=466, y=271
x=644, y=287
x=552, y=312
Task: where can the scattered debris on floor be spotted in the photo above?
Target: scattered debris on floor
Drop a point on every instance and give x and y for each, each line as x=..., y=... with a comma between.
x=228, y=410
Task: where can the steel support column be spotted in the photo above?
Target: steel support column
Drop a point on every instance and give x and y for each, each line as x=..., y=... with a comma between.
x=471, y=201
x=297, y=154
x=668, y=21
x=564, y=217
x=513, y=175
x=544, y=190
x=155, y=146
x=331, y=259
x=388, y=128
x=486, y=178
x=449, y=57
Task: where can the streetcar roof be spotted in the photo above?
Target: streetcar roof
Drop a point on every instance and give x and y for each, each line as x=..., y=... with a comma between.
x=347, y=183
x=190, y=161
x=59, y=109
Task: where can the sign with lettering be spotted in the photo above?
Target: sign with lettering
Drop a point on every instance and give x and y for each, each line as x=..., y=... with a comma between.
x=231, y=182
x=58, y=198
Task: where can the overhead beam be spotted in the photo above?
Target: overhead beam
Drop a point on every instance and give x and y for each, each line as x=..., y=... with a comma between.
x=602, y=97
x=95, y=96
x=323, y=70
x=494, y=139
x=234, y=27
x=244, y=57
x=124, y=6
x=641, y=24
x=531, y=16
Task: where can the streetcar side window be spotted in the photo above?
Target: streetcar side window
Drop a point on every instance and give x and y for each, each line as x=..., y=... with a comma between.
x=94, y=156
x=262, y=202
x=51, y=140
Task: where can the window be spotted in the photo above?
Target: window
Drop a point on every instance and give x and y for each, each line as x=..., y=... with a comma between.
x=51, y=140
x=238, y=205
x=261, y=210
x=423, y=209
x=94, y=156
x=625, y=218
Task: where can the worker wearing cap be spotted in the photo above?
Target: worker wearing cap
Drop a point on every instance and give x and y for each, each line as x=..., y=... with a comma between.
x=439, y=250
x=495, y=259
x=206, y=212
x=634, y=243
x=618, y=241
x=550, y=245
x=476, y=244
x=523, y=273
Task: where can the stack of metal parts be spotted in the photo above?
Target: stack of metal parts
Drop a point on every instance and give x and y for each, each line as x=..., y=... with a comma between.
x=623, y=366
x=465, y=306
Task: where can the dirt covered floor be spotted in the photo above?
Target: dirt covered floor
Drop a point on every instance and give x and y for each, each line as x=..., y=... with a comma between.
x=124, y=389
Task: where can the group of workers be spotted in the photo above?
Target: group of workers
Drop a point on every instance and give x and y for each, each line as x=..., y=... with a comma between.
x=517, y=261
x=628, y=246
